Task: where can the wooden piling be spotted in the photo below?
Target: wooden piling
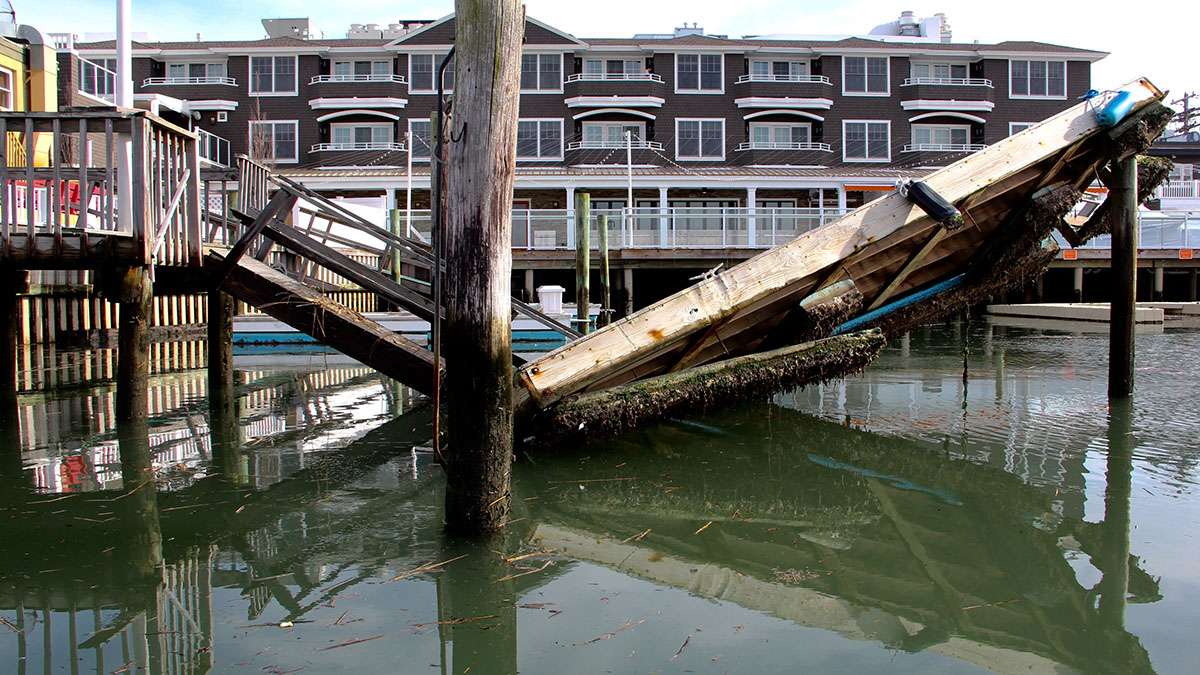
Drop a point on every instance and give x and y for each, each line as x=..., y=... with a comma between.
x=583, y=260
x=220, y=353
x=11, y=283
x=1124, y=275
x=133, y=292
x=605, y=298
x=478, y=248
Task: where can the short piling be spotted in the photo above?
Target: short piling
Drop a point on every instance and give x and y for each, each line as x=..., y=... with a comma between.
x=583, y=260
x=220, y=351
x=1124, y=276
x=478, y=248
x=133, y=290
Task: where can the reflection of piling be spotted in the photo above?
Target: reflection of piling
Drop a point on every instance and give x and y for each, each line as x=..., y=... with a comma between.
x=1114, y=562
x=1124, y=279
x=469, y=590
x=139, y=505
x=11, y=283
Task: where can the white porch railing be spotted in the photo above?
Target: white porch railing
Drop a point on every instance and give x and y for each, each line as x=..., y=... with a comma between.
x=346, y=147
x=372, y=77
x=949, y=81
x=614, y=145
x=752, y=145
x=770, y=77
x=1156, y=230
x=943, y=147
x=96, y=80
x=227, y=81
x=614, y=77
x=1179, y=189
x=213, y=148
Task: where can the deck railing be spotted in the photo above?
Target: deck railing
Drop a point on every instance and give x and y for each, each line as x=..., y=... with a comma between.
x=213, y=148
x=364, y=77
x=228, y=81
x=948, y=81
x=772, y=77
x=1157, y=230
x=60, y=197
x=614, y=77
x=96, y=80
x=1179, y=189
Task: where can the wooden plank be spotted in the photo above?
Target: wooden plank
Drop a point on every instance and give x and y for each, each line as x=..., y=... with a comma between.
x=309, y=311
x=576, y=366
x=280, y=203
x=909, y=266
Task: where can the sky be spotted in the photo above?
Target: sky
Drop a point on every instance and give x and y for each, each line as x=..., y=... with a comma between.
x=1158, y=43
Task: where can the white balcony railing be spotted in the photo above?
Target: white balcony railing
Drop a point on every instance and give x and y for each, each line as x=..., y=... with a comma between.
x=227, y=81
x=350, y=147
x=213, y=148
x=770, y=77
x=63, y=41
x=614, y=145
x=614, y=77
x=96, y=80
x=373, y=77
x=753, y=145
x=943, y=147
x=1179, y=189
x=949, y=81
x=1156, y=230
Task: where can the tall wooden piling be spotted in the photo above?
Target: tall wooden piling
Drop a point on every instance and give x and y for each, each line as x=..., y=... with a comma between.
x=133, y=290
x=478, y=245
x=11, y=283
x=583, y=260
x=220, y=351
x=605, y=294
x=1124, y=276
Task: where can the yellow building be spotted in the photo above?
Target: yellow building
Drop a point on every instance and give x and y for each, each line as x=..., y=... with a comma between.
x=28, y=82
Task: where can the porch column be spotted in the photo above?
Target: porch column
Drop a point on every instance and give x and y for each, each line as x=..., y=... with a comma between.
x=841, y=198
x=1078, y=284
x=1159, y=273
x=664, y=225
x=751, y=217
x=530, y=289
x=570, y=222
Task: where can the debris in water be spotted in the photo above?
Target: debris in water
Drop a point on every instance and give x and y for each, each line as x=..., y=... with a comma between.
x=703, y=527
x=612, y=634
x=427, y=567
x=510, y=577
x=347, y=643
x=637, y=537
x=679, y=651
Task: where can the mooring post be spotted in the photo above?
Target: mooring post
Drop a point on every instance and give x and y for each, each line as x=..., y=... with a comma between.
x=397, y=223
x=1159, y=282
x=1124, y=274
x=605, y=299
x=222, y=401
x=1077, y=278
x=478, y=245
x=583, y=260
x=134, y=293
x=627, y=284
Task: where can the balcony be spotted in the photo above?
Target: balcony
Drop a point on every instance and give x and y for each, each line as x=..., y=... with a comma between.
x=767, y=77
x=358, y=79
x=819, y=147
x=358, y=147
x=213, y=148
x=948, y=81
x=611, y=77
x=947, y=93
x=793, y=86
x=614, y=145
x=193, y=81
x=943, y=147
x=613, y=84
x=1179, y=189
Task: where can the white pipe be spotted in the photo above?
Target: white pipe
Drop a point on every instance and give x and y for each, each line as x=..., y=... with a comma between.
x=124, y=83
x=629, y=168
x=124, y=99
x=408, y=138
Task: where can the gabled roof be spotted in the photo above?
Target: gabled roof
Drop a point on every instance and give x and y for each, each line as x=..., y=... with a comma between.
x=266, y=43
x=450, y=17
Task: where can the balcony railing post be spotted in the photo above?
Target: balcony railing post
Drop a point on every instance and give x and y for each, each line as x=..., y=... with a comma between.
x=663, y=222
x=751, y=217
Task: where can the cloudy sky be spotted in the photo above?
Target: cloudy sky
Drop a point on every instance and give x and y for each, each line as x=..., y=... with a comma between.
x=1158, y=42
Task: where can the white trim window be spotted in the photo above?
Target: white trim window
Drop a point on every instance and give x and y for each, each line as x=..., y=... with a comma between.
x=421, y=68
x=940, y=71
x=778, y=70
x=539, y=139
x=866, y=141
x=1015, y=128
x=700, y=73
x=612, y=134
x=866, y=75
x=941, y=134
x=700, y=139
x=360, y=68
x=420, y=138
x=614, y=69
x=7, y=101
x=779, y=135
x=541, y=73
x=197, y=71
x=362, y=136
x=1037, y=79
x=273, y=75
x=275, y=140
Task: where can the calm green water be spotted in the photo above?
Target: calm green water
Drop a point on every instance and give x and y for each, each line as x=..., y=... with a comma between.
x=900, y=521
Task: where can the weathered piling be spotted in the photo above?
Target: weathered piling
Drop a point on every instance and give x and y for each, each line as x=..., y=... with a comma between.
x=583, y=260
x=605, y=294
x=1124, y=279
x=132, y=289
x=478, y=236
x=11, y=283
x=221, y=308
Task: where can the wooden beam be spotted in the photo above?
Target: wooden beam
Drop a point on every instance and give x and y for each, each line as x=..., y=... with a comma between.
x=938, y=235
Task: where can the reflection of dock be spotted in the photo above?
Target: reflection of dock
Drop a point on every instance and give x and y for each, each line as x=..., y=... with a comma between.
x=1075, y=311
x=1067, y=326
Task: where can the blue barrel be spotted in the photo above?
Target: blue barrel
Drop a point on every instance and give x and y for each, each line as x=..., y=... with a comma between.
x=1115, y=110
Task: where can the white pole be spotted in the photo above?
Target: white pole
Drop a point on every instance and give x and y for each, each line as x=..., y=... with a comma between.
x=408, y=138
x=124, y=99
x=628, y=224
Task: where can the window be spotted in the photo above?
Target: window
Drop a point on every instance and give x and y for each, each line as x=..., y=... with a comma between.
x=700, y=139
x=420, y=138
x=379, y=68
x=865, y=75
x=941, y=134
x=1018, y=127
x=611, y=134
x=420, y=72
x=1037, y=79
x=614, y=69
x=539, y=139
x=196, y=70
x=6, y=89
x=541, y=72
x=786, y=71
x=699, y=73
x=940, y=71
x=360, y=134
x=866, y=141
x=272, y=75
x=779, y=135
x=275, y=141
x=98, y=77
x=1180, y=172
